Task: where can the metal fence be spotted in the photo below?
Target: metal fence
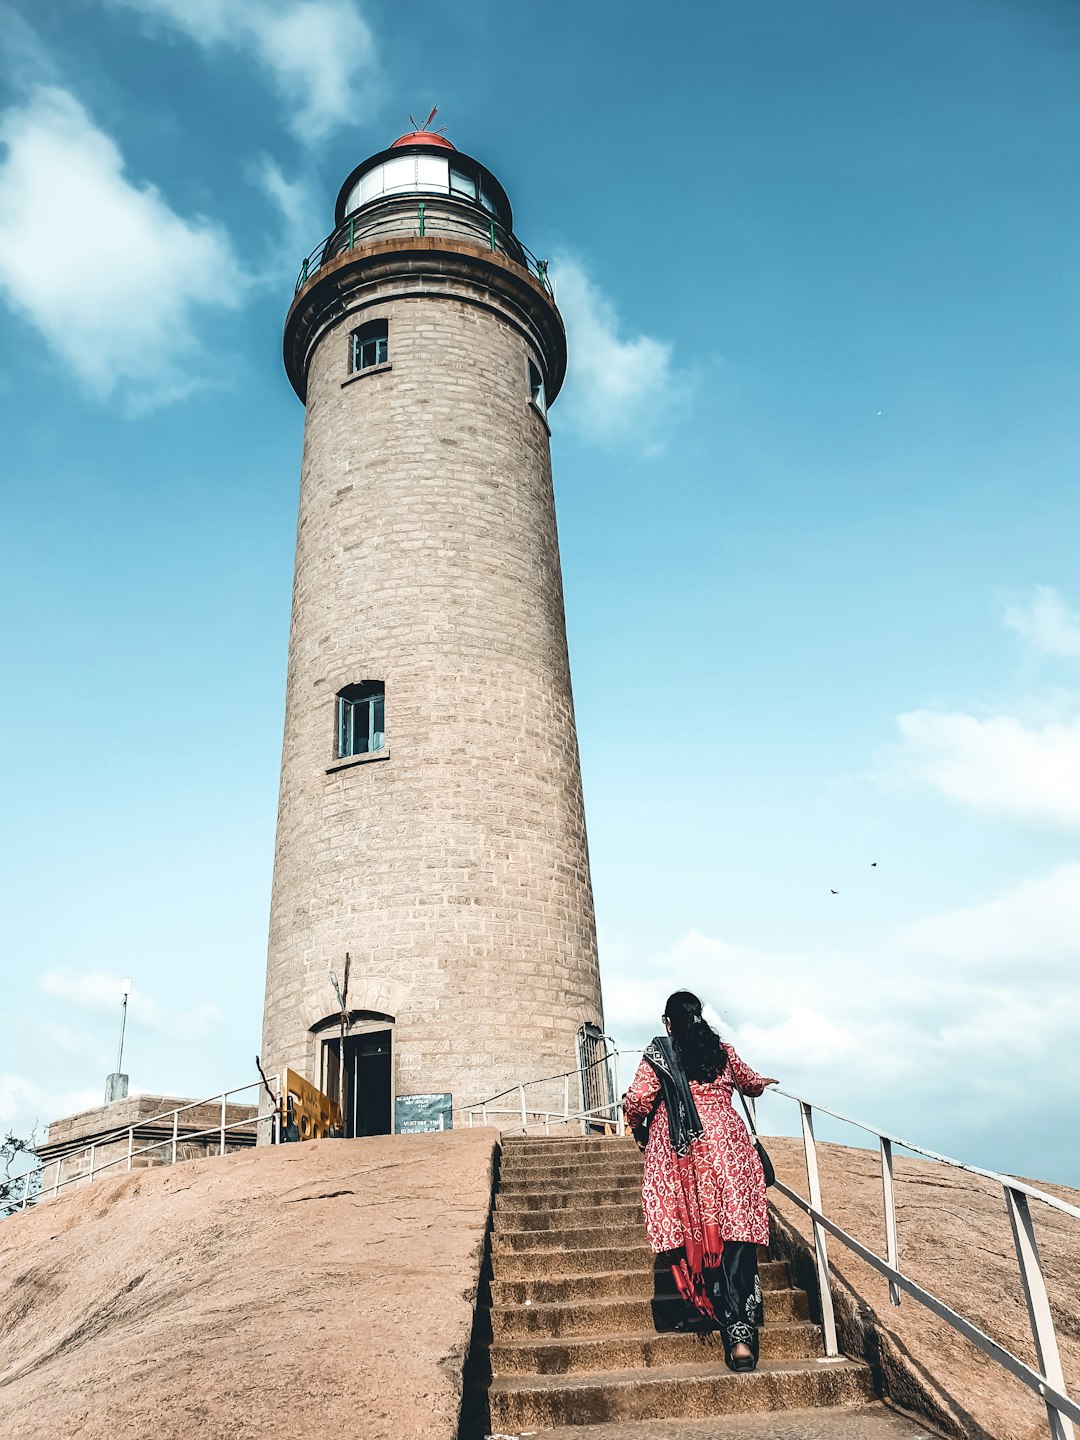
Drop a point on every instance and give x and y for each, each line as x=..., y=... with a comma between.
x=1047, y=1381
x=33, y=1190
x=424, y=219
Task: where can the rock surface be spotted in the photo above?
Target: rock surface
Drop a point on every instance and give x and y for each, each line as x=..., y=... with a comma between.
x=955, y=1241
x=301, y=1290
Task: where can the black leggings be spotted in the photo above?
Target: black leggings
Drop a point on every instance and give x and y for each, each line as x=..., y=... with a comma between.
x=735, y=1291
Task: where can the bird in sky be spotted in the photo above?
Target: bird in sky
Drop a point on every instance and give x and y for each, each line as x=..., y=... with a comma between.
x=834, y=892
x=873, y=864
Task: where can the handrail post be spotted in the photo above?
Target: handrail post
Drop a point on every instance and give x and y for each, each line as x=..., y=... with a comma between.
x=828, y=1319
x=221, y=1147
x=889, y=1199
x=524, y=1112
x=131, y=1145
x=175, y=1132
x=56, y=1182
x=26, y=1191
x=1038, y=1307
x=620, y=1119
x=566, y=1098
x=483, y=1115
x=92, y=1150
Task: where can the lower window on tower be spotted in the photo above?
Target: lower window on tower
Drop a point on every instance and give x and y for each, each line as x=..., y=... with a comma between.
x=361, y=718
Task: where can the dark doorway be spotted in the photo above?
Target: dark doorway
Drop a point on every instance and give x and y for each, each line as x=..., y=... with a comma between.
x=368, y=1100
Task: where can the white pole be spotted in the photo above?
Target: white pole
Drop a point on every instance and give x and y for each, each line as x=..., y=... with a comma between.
x=1038, y=1307
x=828, y=1319
x=175, y=1132
x=891, y=1249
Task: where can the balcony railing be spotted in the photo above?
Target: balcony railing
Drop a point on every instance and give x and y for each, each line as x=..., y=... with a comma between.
x=422, y=218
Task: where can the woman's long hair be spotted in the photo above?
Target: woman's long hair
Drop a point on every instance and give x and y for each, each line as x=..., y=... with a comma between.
x=697, y=1044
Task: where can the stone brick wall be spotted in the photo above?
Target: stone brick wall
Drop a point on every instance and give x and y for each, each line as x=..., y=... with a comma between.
x=455, y=870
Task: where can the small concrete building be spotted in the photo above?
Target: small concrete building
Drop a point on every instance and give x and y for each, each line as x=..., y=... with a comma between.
x=431, y=821
x=138, y=1131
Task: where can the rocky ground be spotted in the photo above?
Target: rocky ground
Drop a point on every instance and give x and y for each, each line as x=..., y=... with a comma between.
x=311, y=1290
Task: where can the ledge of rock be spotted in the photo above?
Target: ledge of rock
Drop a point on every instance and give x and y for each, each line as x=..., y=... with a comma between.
x=954, y=1240
x=308, y=1290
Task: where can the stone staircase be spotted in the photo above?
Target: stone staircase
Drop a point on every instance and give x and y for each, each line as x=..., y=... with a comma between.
x=579, y=1330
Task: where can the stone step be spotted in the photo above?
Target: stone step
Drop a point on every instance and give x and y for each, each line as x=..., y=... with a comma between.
x=622, y=1315
x=795, y=1340
x=628, y=1234
x=518, y=1147
x=861, y=1422
x=554, y=1262
x=568, y=1176
x=533, y=1402
x=527, y=1200
x=643, y=1282
x=614, y=1217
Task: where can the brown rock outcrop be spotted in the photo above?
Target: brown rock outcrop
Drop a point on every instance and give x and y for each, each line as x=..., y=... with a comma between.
x=302, y=1290
x=955, y=1241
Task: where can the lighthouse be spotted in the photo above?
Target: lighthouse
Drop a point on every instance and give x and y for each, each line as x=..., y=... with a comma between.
x=430, y=823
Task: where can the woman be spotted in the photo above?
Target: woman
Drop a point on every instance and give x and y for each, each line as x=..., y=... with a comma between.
x=703, y=1190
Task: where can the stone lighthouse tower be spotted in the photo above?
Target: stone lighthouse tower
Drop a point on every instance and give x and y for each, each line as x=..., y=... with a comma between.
x=430, y=819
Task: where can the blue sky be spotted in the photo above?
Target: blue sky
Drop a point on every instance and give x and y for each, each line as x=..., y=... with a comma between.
x=816, y=466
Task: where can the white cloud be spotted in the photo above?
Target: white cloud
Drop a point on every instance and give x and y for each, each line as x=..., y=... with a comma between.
x=319, y=54
x=1045, y=622
x=99, y=991
x=27, y=1106
x=965, y=1009
x=998, y=765
x=100, y=265
x=298, y=204
x=618, y=389
x=1036, y=921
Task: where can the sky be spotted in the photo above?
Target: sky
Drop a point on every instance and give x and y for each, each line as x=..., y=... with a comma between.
x=816, y=478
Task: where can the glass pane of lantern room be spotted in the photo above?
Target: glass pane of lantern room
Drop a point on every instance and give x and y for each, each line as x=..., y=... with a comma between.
x=462, y=184
x=399, y=174
x=371, y=184
x=378, y=736
x=432, y=173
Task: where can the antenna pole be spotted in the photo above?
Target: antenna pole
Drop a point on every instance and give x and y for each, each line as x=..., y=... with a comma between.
x=123, y=1026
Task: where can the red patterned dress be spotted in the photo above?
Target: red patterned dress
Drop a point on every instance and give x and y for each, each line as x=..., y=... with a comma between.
x=722, y=1167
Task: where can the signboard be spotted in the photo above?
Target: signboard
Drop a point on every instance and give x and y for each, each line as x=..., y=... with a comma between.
x=418, y=1114
x=309, y=1112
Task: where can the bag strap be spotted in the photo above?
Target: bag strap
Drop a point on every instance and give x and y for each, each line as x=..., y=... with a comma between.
x=742, y=1097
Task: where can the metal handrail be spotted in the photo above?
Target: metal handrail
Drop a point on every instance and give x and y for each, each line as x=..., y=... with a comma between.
x=352, y=234
x=171, y=1142
x=1047, y=1380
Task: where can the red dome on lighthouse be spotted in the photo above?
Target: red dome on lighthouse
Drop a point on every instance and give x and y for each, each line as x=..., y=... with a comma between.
x=421, y=135
x=424, y=137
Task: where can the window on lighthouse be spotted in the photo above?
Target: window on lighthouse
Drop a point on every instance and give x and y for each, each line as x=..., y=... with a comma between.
x=370, y=345
x=536, y=388
x=360, y=718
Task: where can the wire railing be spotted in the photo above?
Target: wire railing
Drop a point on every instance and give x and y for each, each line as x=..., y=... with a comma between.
x=86, y=1163
x=1045, y=1379
x=435, y=216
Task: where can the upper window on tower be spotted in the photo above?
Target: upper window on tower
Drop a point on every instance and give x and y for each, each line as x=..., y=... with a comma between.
x=361, y=713
x=370, y=345
x=536, y=388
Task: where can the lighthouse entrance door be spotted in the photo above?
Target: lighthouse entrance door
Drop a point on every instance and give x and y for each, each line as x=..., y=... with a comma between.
x=368, y=1099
